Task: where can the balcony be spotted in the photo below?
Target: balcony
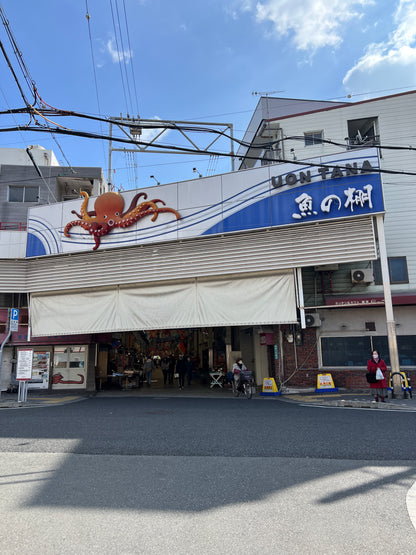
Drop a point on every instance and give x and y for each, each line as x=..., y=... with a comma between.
x=361, y=142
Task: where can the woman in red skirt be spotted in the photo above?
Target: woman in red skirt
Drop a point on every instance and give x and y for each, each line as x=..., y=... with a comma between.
x=379, y=389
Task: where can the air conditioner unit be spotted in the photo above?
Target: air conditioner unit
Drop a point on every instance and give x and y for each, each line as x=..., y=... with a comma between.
x=312, y=320
x=362, y=275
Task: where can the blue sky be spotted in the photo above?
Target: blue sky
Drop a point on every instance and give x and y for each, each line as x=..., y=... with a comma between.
x=199, y=61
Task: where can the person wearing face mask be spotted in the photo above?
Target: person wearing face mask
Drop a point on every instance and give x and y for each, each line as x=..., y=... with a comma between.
x=379, y=389
x=239, y=366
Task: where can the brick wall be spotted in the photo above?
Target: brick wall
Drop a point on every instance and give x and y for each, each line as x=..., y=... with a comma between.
x=307, y=362
x=348, y=379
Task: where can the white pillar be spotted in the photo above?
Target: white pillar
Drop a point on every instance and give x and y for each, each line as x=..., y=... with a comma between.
x=388, y=304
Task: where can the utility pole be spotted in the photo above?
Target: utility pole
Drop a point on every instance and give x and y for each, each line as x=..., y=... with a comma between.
x=388, y=304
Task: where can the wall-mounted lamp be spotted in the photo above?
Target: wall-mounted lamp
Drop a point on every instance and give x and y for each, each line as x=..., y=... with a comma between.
x=196, y=171
x=153, y=177
x=298, y=338
x=292, y=151
x=289, y=337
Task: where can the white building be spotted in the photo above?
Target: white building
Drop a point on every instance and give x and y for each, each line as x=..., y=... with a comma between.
x=297, y=130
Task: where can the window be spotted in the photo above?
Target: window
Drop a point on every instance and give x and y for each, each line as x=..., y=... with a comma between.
x=313, y=138
x=355, y=351
x=397, y=270
x=23, y=194
x=362, y=132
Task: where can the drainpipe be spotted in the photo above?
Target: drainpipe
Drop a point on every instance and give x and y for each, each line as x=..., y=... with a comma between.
x=1, y=354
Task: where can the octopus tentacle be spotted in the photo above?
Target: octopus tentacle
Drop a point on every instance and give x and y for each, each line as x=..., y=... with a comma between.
x=152, y=211
x=84, y=213
x=74, y=223
x=135, y=214
x=96, y=229
x=90, y=213
x=171, y=210
x=133, y=203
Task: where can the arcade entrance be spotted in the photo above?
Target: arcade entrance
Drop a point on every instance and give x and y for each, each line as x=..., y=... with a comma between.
x=122, y=361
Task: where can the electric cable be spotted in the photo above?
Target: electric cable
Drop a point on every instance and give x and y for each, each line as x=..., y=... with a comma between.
x=88, y=17
x=162, y=124
x=124, y=56
x=183, y=149
x=130, y=50
x=119, y=56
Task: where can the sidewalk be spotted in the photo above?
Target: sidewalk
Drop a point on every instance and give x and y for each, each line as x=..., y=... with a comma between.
x=347, y=399
x=36, y=400
x=343, y=398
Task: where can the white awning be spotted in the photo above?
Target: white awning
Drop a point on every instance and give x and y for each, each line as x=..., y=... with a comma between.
x=195, y=303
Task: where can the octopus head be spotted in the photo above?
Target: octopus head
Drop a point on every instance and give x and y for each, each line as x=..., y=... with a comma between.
x=109, y=208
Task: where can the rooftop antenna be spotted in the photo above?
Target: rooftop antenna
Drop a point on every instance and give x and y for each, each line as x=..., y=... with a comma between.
x=266, y=93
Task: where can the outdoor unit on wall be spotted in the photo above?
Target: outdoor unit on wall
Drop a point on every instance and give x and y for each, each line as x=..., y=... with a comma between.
x=312, y=320
x=362, y=275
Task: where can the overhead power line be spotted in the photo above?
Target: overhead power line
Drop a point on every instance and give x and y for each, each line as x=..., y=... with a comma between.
x=182, y=149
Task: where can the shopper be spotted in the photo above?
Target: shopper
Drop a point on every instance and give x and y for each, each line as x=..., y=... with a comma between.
x=181, y=370
x=165, y=369
x=239, y=366
x=148, y=367
x=171, y=370
x=379, y=388
x=189, y=365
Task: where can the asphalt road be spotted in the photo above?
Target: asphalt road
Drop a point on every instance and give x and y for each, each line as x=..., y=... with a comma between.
x=158, y=475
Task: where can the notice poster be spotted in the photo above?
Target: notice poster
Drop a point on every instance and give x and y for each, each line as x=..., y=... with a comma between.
x=24, y=364
x=69, y=367
x=40, y=370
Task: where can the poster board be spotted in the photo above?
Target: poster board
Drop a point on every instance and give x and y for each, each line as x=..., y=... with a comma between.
x=270, y=388
x=24, y=365
x=40, y=370
x=325, y=384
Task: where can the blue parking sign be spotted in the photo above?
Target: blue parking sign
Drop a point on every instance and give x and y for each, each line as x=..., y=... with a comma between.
x=14, y=319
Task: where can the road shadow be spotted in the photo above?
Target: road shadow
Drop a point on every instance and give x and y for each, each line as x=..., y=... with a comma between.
x=196, y=454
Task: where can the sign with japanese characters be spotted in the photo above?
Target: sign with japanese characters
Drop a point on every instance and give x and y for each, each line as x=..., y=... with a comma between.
x=325, y=384
x=24, y=364
x=14, y=319
x=342, y=185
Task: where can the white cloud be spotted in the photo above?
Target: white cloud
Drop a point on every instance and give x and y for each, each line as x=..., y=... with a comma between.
x=311, y=24
x=391, y=62
x=118, y=55
x=148, y=135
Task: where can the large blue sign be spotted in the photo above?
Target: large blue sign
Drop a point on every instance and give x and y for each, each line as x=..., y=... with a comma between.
x=341, y=185
x=322, y=200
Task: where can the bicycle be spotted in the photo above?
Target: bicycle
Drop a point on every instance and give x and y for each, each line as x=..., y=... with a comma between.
x=243, y=383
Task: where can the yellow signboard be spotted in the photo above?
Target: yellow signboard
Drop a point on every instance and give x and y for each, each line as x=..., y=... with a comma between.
x=270, y=387
x=325, y=384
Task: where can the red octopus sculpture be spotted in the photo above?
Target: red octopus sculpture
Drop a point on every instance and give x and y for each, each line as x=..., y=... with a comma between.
x=108, y=213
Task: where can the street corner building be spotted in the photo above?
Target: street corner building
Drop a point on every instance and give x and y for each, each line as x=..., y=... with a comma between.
x=295, y=262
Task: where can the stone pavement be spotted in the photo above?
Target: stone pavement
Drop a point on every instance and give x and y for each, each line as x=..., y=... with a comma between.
x=36, y=399
x=343, y=398
x=348, y=399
